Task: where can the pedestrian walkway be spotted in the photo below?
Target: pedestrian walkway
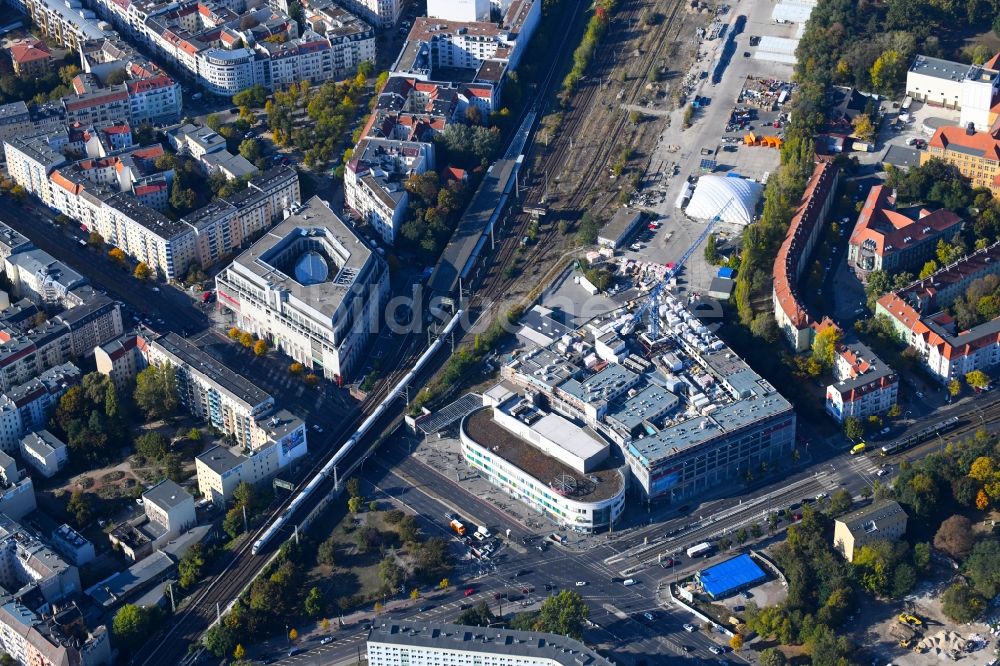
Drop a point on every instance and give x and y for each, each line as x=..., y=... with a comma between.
x=444, y=456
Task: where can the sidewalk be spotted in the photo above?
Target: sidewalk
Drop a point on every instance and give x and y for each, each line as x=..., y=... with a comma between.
x=444, y=456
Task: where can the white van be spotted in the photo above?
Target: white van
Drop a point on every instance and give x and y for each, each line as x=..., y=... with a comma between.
x=629, y=581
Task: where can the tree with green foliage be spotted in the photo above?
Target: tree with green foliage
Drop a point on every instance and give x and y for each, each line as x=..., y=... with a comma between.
x=152, y=446
x=156, y=390
x=80, y=508
x=390, y=574
x=354, y=487
x=409, y=532
x=253, y=97
x=233, y=524
x=841, y=502
x=887, y=71
x=250, y=150
x=220, y=639
x=586, y=233
x=326, y=552
x=712, y=251
x=432, y=561
x=922, y=556
x=354, y=504
x=191, y=566
x=772, y=657
x=564, y=614
x=132, y=625
x=367, y=538
x=983, y=568
x=962, y=603
x=479, y=615
x=883, y=569
x=918, y=491
x=314, y=604
x=854, y=429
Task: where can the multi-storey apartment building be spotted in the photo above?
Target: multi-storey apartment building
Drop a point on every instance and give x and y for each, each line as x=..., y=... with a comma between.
x=118, y=194
x=312, y=288
x=219, y=470
x=891, y=240
x=28, y=406
x=865, y=386
x=488, y=49
x=29, y=639
x=791, y=313
x=374, y=179
x=68, y=22
x=883, y=520
x=17, y=490
x=31, y=58
x=45, y=452
x=26, y=561
x=918, y=316
x=207, y=388
x=228, y=51
x=170, y=506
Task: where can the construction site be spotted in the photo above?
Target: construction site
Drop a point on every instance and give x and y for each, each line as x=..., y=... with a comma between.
x=919, y=633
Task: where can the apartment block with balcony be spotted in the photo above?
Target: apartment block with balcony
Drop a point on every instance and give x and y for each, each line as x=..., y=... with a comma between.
x=917, y=313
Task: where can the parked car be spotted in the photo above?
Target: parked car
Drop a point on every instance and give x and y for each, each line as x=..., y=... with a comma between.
x=688, y=628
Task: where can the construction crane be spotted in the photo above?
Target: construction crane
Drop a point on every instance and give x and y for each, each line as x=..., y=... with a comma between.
x=652, y=303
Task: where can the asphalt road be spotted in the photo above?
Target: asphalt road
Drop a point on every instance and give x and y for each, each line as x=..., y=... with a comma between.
x=620, y=630
x=620, y=627
x=175, y=309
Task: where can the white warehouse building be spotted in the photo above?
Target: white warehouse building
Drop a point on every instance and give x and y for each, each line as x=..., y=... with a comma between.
x=312, y=288
x=971, y=88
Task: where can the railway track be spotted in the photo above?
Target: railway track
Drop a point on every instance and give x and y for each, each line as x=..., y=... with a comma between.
x=226, y=585
x=552, y=161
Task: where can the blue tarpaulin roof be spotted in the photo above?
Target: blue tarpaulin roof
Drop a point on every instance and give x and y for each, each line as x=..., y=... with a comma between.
x=726, y=272
x=730, y=576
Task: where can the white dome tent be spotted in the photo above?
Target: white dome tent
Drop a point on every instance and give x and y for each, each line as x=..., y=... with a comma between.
x=733, y=199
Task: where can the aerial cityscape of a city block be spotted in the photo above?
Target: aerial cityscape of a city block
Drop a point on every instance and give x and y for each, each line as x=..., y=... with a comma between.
x=499, y=332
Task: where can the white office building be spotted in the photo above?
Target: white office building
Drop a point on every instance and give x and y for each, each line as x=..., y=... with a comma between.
x=312, y=288
x=542, y=459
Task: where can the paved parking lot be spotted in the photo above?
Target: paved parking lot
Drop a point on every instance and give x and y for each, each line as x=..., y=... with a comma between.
x=683, y=147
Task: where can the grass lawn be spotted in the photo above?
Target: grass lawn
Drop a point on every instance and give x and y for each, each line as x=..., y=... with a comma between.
x=354, y=581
